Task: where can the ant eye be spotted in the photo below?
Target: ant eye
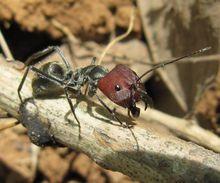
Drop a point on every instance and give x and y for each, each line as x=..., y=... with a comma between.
x=117, y=88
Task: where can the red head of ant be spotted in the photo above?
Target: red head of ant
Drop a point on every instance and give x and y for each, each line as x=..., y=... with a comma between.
x=120, y=86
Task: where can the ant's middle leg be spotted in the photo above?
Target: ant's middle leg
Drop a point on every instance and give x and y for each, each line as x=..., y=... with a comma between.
x=40, y=73
x=72, y=107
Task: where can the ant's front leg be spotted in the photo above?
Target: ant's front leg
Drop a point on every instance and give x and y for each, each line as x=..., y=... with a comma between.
x=112, y=112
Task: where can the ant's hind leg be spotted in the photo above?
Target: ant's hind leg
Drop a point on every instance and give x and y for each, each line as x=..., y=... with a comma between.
x=45, y=52
x=40, y=73
x=35, y=57
x=60, y=53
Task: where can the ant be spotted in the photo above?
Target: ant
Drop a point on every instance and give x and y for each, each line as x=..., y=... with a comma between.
x=121, y=85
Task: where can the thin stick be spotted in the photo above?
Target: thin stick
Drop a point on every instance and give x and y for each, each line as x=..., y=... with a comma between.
x=8, y=123
x=5, y=47
x=65, y=30
x=119, y=38
x=71, y=38
x=35, y=150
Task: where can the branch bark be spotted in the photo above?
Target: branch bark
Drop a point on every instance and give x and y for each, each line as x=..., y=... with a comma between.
x=160, y=158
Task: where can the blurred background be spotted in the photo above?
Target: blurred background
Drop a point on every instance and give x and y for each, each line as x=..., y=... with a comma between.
x=163, y=29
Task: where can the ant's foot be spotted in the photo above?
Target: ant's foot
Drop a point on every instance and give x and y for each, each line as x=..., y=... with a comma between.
x=18, y=65
x=127, y=126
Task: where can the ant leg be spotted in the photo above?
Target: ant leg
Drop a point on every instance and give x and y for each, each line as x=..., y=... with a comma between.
x=36, y=56
x=47, y=51
x=112, y=112
x=115, y=117
x=129, y=114
x=93, y=60
x=72, y=108
x=60, y=53
x=135, y=111
x=22, y=83
x=39, y=72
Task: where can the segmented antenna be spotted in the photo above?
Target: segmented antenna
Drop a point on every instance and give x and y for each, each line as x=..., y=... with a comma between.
x=119, y=38
x=175, y=60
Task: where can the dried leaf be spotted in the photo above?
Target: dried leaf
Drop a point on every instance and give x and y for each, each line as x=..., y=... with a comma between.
x=175, y=28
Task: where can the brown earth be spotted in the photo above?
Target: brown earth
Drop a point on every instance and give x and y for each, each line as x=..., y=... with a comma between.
x=208, y=109
x=86, y=19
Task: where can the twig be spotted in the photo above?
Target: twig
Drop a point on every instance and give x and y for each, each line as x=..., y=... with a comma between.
x=204, y=58
x=161, y=158
x=6, y=123
x=65, y=30
x=5, y=47
x=70, y=37
x=119, y=38
x=35, y=150
x=185, y=128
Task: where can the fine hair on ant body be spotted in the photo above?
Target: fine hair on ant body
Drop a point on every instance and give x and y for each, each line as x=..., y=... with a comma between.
x=121, y=85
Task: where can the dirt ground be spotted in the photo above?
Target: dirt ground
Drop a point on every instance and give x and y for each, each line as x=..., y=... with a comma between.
x=86, y=19
x=98, y=21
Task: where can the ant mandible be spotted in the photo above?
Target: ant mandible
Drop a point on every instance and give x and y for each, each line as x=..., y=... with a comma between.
x=121, y=85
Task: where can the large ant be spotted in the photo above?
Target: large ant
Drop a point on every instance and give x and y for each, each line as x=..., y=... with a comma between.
x=121, y=85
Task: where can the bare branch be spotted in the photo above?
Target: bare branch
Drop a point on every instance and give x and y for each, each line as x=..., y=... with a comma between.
x=160, y=158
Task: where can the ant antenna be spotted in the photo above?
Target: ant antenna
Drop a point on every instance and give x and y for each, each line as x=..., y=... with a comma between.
x=162, y=64
x=119, y=38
